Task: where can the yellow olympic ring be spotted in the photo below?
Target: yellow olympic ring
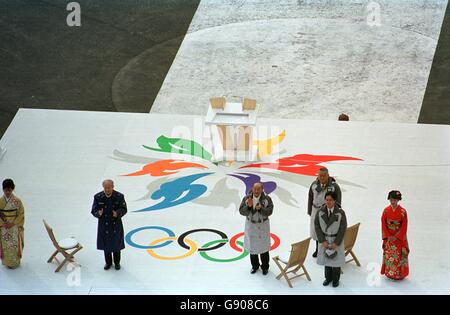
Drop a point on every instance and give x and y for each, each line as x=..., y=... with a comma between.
x=192, y=244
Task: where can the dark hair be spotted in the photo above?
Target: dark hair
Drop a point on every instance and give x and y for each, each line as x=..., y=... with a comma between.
x=343, y=117
x=395, y=194
x=332, y=194
x=8, y=183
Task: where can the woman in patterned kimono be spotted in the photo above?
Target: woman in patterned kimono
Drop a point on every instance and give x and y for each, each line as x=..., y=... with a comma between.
x=394, y=224
x=11, y=226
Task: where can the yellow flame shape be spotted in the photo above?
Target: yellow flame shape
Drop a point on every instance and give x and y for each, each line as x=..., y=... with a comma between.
x=265, y=146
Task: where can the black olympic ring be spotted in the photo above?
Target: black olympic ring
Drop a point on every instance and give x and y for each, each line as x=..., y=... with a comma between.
x=183, y=244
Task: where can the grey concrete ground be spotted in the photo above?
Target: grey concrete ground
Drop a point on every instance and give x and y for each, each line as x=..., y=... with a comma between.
x=307, y=59
x=46, y=64
x=436, y=102
x=300, y=59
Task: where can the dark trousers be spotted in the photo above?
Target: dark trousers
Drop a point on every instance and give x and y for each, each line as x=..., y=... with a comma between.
x=332, y=274
x=264, y=261
x=109, y=258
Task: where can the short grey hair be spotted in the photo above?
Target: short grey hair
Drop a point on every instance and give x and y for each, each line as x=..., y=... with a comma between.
x=323, y=169
x=108, y=181
x=259, y=183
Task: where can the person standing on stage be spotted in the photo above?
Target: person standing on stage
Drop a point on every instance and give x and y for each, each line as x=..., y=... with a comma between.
x=331, y=224
x=394, y=224
x=109, y=207
x=257, y=207
x=316, y=198
x=12, y=219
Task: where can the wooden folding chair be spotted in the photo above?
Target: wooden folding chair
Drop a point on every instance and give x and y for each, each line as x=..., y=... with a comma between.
x=349, y=241
x=62, y=247
x=293, y=259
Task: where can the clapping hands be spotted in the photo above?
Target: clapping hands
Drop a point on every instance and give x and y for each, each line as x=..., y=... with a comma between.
x=115, y=214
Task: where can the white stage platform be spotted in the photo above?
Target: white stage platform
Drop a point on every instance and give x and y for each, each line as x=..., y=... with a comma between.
x=58, y=160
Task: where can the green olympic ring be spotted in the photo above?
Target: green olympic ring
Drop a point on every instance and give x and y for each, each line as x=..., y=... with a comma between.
x=205, y=255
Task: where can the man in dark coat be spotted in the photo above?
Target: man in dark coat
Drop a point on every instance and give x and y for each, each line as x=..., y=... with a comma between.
x=109, y=207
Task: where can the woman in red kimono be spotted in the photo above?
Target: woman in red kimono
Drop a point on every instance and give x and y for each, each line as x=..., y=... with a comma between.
x=394, y=223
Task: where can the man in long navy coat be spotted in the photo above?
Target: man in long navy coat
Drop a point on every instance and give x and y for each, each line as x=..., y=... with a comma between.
x=109, y=207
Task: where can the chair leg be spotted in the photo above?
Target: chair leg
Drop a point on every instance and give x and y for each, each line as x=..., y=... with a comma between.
x=285, y=275
x=61, y=265
x=68, y=257
x=355, y=259
x=296, y=269
x=306, y=273
x=279, y=266
x=52, y=256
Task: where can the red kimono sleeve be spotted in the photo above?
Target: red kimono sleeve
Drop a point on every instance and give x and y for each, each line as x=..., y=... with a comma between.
x=384, y=230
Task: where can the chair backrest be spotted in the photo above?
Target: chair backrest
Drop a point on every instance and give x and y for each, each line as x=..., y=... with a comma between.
x=299, y=252
x=350, y=236
x=248, y=104
x=217, y=102
x=50, y=234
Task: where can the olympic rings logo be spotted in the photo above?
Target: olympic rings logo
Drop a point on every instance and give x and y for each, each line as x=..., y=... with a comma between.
x=192, y=246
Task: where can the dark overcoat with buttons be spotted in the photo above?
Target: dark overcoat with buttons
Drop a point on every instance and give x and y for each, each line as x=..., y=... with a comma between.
x=110, y=233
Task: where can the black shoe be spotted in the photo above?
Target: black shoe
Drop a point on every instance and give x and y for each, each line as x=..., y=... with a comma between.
x=314, y=254
x=117, y=266
x=326, y=282
x=335, y=284
x=107, y=267
x=253, y=270
x=265, y=272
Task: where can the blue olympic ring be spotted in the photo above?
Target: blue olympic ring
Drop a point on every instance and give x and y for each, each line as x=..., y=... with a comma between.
x=131, y=233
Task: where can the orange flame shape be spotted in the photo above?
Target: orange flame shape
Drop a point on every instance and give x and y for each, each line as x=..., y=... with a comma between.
x=164, y=168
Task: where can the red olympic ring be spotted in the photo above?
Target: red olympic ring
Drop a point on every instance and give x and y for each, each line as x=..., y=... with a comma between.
x=276, y=241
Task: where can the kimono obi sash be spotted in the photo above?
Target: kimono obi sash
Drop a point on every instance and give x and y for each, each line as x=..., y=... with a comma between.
x=393, y=225
x=10, y=214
